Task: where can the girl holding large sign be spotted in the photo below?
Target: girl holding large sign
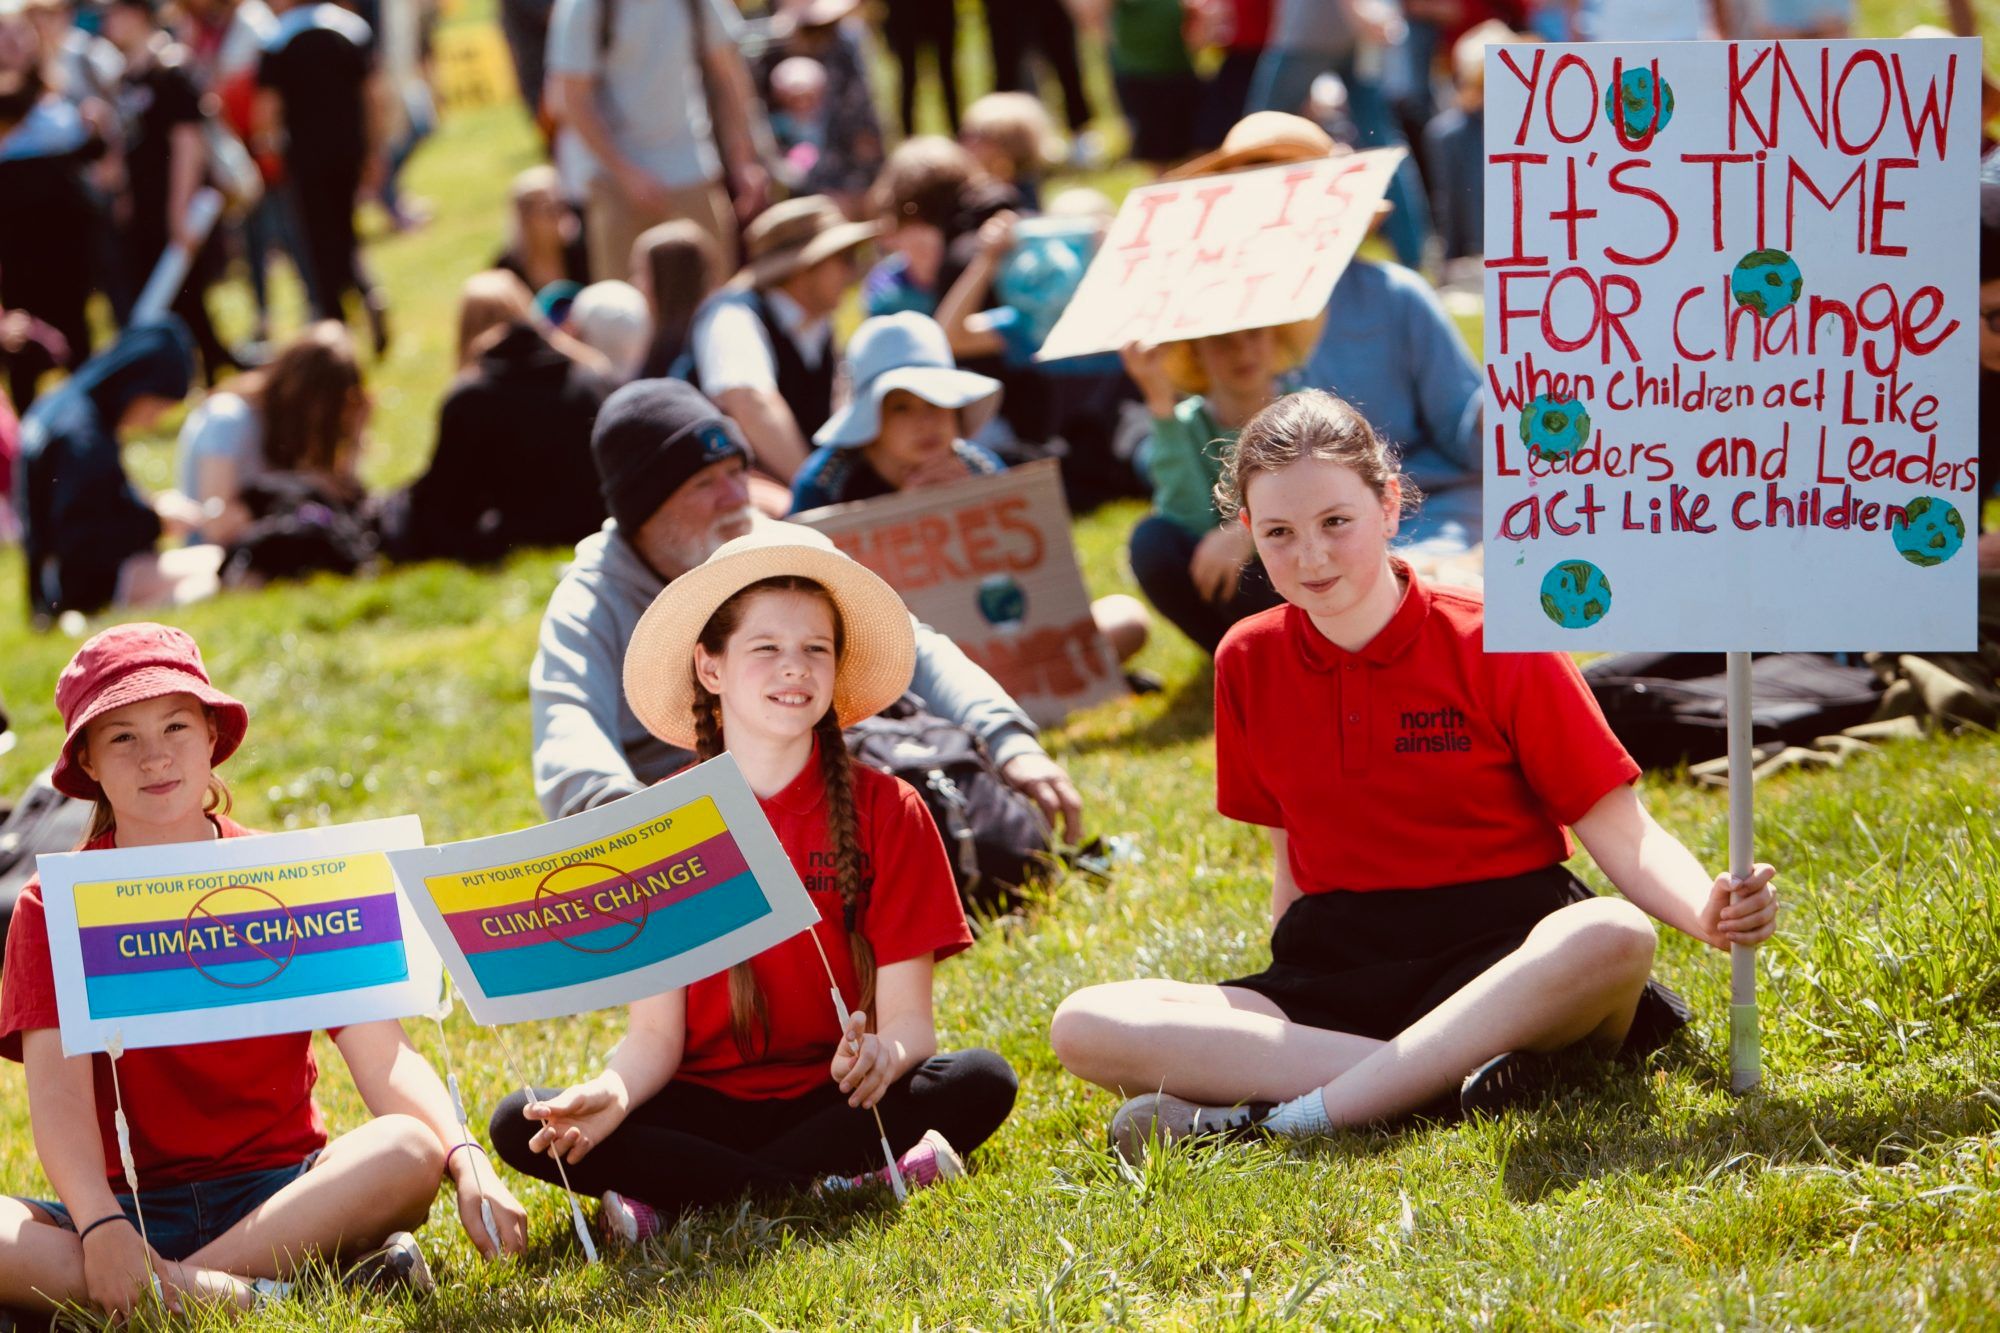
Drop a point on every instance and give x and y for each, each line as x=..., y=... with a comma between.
x=749, y=1081
x=237, y=1183
x=1427, y=939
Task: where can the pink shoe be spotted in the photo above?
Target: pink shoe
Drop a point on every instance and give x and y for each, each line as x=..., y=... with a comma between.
x=626, y=1221
x=930, y=1161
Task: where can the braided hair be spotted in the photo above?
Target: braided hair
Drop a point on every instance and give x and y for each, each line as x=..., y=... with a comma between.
x=749, y=1012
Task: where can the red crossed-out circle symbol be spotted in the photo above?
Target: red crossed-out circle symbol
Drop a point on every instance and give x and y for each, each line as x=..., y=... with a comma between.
x=207, y=913
x=632, y=917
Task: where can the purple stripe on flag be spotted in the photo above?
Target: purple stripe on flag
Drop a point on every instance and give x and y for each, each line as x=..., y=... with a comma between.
x=274, y=936
x=598, y=898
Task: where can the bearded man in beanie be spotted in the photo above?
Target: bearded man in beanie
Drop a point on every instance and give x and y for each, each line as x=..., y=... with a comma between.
x=675, y=474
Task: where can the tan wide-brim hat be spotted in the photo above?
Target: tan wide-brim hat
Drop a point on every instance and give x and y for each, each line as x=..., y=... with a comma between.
x=1267, y=139
x=793, y=235
x=878, y=649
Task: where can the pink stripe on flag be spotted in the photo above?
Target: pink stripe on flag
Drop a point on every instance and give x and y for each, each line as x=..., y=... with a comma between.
x=597, y=898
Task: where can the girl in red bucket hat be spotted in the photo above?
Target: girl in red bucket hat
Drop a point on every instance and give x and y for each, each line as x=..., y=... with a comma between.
x=237, y=1181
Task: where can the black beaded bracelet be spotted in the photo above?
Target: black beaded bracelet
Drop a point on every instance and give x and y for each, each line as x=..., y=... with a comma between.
x=84, y=1234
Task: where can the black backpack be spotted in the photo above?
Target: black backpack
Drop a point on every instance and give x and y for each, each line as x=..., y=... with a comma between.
x=1672, y=708
x=44, y=820
x=998, y=840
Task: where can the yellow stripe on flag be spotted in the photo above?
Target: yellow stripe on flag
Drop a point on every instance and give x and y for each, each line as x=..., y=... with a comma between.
x=169, y=898
x=629, y=851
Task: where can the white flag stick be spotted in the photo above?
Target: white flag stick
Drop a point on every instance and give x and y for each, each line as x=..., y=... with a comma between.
x=840, y=1008
x=1745, y=1062
x=170, y=274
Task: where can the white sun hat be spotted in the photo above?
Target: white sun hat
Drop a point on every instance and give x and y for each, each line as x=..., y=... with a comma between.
x=906, y=351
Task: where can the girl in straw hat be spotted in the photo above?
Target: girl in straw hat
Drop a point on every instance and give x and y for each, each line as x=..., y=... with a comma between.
x=238, y=1186
x=747, y=1082
x=1200, y=571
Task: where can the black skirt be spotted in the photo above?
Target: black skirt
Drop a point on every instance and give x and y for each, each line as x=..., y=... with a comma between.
x=1374, y=963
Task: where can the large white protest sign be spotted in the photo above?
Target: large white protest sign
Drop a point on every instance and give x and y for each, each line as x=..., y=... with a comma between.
x=649, y=893
x=1730, y=332
x=1211, y=254
x=989, y=564
x=239, y=937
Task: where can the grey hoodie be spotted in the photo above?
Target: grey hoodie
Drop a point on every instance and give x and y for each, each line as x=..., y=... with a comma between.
x=590, y=749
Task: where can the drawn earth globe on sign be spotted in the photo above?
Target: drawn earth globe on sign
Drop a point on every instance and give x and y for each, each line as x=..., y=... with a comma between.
x=1766, y=281
x=1630, y=105
x=1002, y=601
x=1931, y=532
x=1575, y=594
x=1554, y=427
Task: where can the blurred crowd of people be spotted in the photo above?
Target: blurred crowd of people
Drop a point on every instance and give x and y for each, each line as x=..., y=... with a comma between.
x=718, y=188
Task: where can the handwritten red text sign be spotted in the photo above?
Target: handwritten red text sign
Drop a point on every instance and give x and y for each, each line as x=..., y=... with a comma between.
x=1730, y=331
x=989, y=564
x=1186, y=259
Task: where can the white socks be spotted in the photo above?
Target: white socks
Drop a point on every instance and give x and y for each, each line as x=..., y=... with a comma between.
x=1300, y=1117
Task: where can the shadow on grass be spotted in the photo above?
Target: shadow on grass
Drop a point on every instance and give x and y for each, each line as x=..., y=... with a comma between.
x=707, y=1247
x=1186, y=714
x=1615, y=1129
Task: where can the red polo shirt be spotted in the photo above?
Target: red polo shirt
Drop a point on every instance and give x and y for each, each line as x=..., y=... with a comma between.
x=197, y=1112
x=911, y=909
x=1418, y=761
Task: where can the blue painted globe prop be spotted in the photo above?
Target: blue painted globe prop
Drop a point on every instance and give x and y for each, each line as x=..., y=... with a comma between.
x=1554, y=427
x=1002, y=601
x=1575, y=594
x=1931, y=533
x=1631, y=102
x=1766, y=281
x=1042, y=271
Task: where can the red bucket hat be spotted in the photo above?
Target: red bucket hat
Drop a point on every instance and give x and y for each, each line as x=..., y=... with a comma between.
x=129, y=664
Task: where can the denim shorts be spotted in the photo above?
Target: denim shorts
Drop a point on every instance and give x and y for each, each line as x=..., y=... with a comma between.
x=181, y=1219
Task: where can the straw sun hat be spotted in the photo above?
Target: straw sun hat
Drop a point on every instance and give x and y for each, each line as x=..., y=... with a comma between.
x=879, y=647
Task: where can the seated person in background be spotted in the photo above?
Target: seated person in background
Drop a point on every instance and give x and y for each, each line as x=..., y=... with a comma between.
x=849, y=151
x=267, y=414
x=1197, y=568
x=1002, y=307
x=304, y=509
x=904, y=428
x=676, y=267
x=512, y=463
x=798, y=112
x=675, y=474
x=1454, y=147
x=90, y=538
x=931, y=192
x=763, y=345
x=1389, y=349
x=611, y=319
x=544, y=234
x=1012, y=138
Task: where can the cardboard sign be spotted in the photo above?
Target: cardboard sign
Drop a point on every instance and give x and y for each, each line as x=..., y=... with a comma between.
x=989, y=564
x=1185, y=259
x=241, y=937
x=1730, y=338
x=644, y=895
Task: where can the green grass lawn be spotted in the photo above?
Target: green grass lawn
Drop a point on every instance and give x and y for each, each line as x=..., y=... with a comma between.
x=1859, y=1187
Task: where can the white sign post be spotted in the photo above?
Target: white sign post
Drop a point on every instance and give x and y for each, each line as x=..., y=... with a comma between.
x=1730, y=328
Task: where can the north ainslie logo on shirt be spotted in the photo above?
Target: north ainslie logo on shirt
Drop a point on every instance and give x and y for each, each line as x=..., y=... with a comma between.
x=1432, y=731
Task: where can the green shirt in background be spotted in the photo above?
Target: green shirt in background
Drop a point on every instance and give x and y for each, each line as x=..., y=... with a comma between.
x=1146, y=38
x=1184, y=456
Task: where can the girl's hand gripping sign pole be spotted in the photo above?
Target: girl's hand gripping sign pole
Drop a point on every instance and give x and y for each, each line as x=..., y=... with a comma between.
x=1745, y=1065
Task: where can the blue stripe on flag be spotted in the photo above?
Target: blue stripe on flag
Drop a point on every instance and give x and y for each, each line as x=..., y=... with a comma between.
x=669, y=931
x=138, y=993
